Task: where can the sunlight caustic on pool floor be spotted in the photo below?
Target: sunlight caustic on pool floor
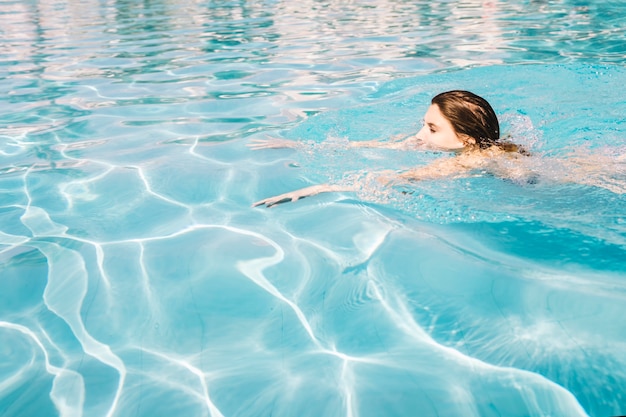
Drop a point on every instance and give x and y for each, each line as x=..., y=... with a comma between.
x=136, y=280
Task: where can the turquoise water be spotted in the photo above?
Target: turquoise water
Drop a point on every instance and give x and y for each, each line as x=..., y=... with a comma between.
x=136, y=280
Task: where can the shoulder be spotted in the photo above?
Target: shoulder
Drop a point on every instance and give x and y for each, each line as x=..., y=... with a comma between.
x=475, y=158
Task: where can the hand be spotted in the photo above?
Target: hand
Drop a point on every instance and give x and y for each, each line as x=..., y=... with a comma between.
x=271, y=143
x=289, y=197
x=301, y=193
x=279, y=199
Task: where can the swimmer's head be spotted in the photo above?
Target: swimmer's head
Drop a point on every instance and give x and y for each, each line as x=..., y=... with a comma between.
x=458, y=119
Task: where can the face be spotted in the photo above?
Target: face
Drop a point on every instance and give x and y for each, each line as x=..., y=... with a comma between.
x=438, y=131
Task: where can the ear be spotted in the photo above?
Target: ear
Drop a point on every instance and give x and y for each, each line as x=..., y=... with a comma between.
x=467, y=140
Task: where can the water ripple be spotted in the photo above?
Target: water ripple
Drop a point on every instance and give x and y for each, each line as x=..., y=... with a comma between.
x=136, y=280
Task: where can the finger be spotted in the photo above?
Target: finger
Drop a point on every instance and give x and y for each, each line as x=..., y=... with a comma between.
x=278, y=200
x=256, y=145
x=268, y=202
x=298, y=197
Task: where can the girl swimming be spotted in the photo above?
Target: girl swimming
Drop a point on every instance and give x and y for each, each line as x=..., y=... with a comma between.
x=457, y=121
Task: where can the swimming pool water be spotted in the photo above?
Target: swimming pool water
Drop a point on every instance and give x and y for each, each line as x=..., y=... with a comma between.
x=136, y=280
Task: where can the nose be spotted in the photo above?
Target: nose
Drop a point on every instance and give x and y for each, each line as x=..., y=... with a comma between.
x=421, y=135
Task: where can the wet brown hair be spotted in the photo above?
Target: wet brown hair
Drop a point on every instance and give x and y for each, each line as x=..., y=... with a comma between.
x=473, y=116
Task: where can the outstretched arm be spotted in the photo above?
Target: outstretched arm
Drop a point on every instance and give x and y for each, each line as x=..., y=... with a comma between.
x=397, y=142
x=438, y=169
x=302, y=193
x=271, y=143
x=458, y=166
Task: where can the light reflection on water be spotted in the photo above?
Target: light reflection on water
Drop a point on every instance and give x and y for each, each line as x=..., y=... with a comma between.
x=136, y=280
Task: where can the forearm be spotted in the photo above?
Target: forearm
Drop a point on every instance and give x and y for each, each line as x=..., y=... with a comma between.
x=324, y=188
x=375, y=143
x=394, y=143
x=271, y=143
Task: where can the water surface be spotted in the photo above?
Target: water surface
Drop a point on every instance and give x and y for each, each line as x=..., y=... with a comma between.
x=137, y=281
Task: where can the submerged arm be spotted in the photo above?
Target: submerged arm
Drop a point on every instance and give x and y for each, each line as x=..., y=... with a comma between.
x=271, y=143
x=397, y=142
